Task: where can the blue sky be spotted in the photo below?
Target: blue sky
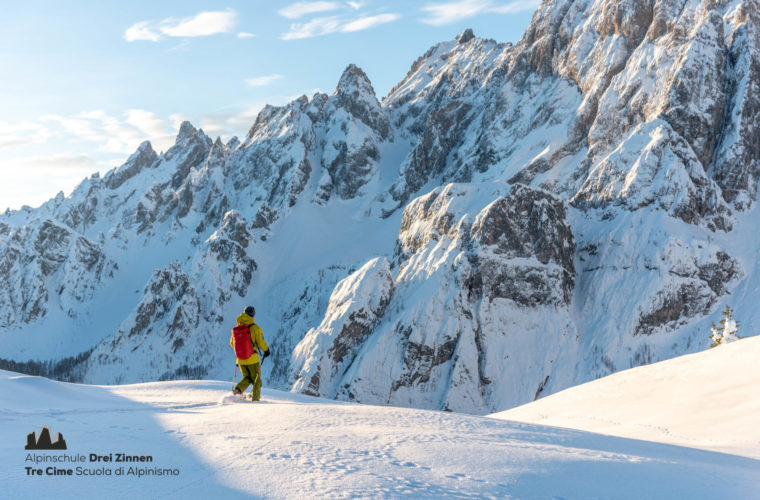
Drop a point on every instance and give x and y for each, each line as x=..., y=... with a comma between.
x=84, y=82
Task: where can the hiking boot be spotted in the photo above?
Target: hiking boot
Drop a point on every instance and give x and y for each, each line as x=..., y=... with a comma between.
x=236, y=391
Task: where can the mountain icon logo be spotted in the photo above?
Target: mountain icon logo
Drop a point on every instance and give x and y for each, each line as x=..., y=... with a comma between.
x=44, y=441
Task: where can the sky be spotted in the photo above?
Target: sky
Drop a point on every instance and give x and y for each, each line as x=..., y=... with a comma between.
x=85, y=82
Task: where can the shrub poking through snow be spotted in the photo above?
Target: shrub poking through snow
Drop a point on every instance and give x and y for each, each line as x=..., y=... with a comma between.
x=726, y=332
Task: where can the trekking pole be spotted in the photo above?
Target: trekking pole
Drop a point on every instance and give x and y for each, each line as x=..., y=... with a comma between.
x=234, y=377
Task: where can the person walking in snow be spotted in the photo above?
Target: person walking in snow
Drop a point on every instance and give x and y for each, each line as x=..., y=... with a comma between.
x=247, y=338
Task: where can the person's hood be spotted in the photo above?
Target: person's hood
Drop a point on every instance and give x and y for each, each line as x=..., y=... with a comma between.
x=244, y=319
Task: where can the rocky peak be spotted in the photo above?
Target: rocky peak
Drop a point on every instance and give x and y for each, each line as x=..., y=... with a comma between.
x=269, y=121
x=145, y=149
x=217, y=148
x=466, y=36
x=190, y=149
x=190, y=137
x=186, y=130
x=144, y=157
x=216, y=154
x=354, y=80
x=355, y=94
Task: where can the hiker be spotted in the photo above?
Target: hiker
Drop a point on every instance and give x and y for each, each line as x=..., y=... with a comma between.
x=247, y=338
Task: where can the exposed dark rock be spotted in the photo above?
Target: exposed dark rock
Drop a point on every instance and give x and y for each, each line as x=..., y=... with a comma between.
x=166, y=287
x=52, y=245
x=355, y=94
x=141, y=159
x=525, y=224
x=466, y=36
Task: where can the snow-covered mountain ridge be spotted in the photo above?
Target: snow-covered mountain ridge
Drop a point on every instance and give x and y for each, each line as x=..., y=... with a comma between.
x=511, y=220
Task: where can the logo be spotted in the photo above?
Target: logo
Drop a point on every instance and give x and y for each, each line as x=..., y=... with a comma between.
x=44, y=441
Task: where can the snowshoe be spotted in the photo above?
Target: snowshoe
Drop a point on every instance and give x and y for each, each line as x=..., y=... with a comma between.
x=233, y=397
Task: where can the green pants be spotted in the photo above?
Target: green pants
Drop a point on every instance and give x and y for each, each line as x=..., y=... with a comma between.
x=250, y=376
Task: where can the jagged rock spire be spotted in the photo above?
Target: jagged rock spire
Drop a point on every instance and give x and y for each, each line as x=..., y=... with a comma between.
x=355, y=94
x=466, y=36
x=354, y=79
x=143, y=157
x=186, y=130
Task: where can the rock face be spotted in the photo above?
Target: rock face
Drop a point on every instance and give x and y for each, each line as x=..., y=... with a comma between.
x=48, y=267
x=143, y=158
x=328, y=351
x=509, y=221
x=438, y=327
x=176, y=325
x=356, y=127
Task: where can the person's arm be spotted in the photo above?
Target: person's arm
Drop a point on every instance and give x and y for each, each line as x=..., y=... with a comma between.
x=260, y=340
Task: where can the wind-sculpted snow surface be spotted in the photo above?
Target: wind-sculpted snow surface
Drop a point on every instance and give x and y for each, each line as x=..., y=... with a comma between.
x=685, y=392
x=510, y=220
x=303, y=446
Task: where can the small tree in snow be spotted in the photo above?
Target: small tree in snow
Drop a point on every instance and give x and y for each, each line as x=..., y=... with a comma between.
x=715, y=336
x=726, y=332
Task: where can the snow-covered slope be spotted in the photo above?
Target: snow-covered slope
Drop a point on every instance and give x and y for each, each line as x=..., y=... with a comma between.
x=509, y=221
x=294, y=446
x=475, y=267
x=708, y=400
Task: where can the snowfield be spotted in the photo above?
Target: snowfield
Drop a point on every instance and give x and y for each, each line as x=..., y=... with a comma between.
x=708, y=400
x=295, y=446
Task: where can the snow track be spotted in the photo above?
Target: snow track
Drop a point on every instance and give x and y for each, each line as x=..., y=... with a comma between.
x=299, y=447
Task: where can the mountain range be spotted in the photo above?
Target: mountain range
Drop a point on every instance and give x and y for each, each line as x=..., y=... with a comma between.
x=509, y=221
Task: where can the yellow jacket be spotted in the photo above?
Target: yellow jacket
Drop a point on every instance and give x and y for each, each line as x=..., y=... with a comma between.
x=257, y=337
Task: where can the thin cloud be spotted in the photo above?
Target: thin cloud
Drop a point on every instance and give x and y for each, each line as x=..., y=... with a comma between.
x=369, y=22
x=25, y=126
x=202, y=24
x=240, y=120
x=316, y=27
x=312, y=92
x=234, y=122
x=262, y=81
x=147, y=122
x=33, y=180
x=23, y=133
x=182, y=46
x=300, y=9
x=8, y=140
x=244, y=34
x=515, y=7
x=141, y=31
x=327, y=25
x=357, y=5
x=177, y=119
x=69, y=162
x=451, y=12
x=112, y=134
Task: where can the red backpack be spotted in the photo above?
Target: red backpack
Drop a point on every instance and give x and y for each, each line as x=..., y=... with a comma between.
x=241, y=335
